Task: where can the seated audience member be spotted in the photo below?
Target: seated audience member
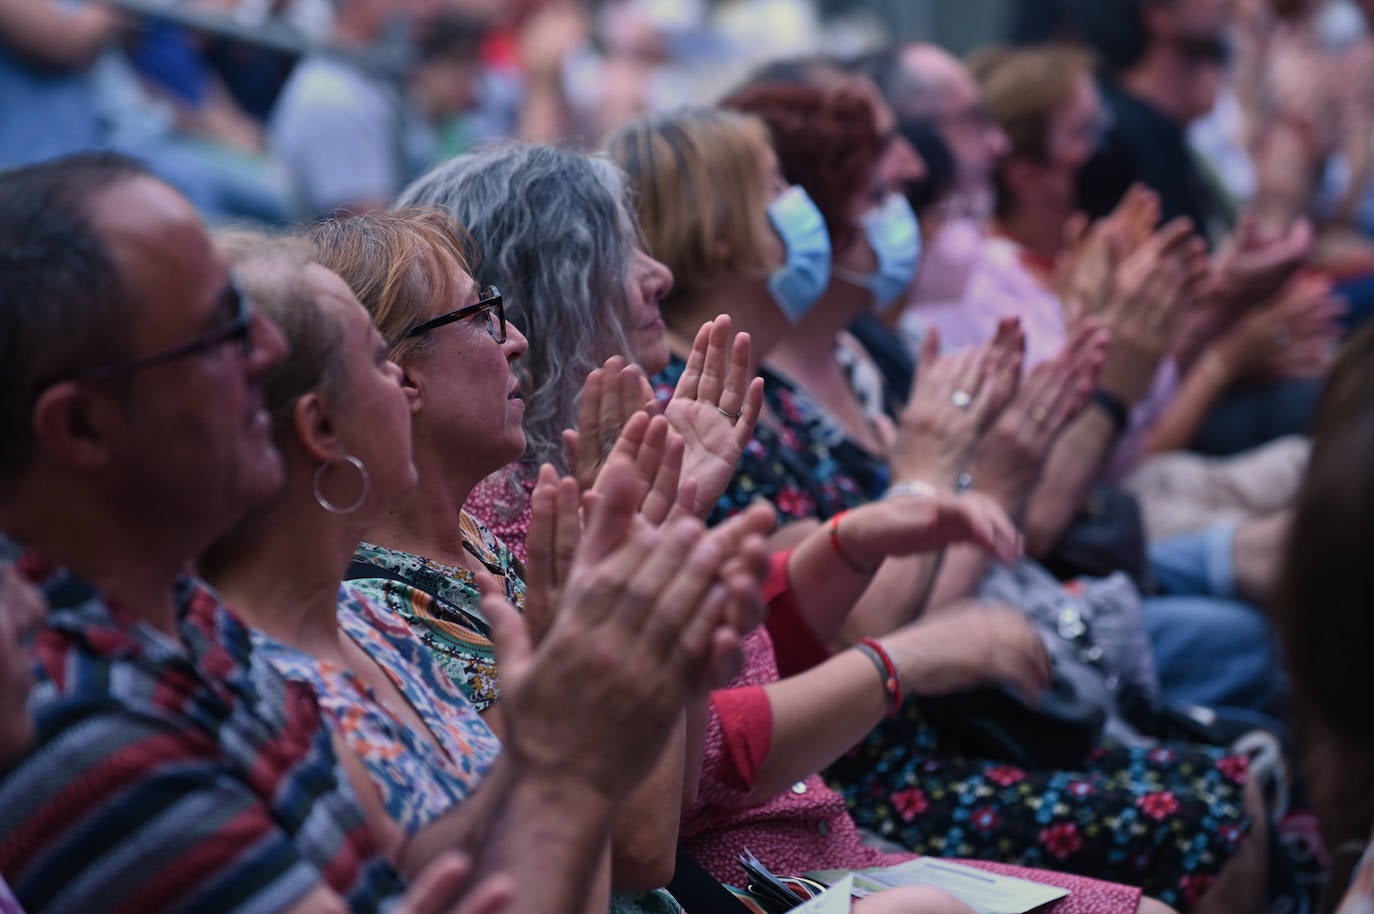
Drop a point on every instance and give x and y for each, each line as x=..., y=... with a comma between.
x=970, y=282
x=348, y=133
x=420, y=560
x=341, y=419
x=47, y=50
x=135, y=436
x=1325, y=567
x=595, y=298
x=1164, y=62
x=764, y=280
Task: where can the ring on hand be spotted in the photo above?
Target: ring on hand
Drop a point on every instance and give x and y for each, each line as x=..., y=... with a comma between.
x=961, y=398
x=733, y=417
x=1039, y=415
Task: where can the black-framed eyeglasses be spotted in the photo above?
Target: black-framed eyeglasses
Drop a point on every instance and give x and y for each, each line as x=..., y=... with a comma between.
x=488, y=304
x=238, y=329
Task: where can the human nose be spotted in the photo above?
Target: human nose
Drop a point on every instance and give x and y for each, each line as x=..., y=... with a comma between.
x=660, y=277
x=516, y=345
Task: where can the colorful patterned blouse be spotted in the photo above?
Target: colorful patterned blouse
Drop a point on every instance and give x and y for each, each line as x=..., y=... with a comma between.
x=205, y=761
x=443, y=607
x=418, y=782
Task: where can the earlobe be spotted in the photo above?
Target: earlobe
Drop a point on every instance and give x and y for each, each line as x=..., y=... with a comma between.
x=70, y=426
x=314, y=429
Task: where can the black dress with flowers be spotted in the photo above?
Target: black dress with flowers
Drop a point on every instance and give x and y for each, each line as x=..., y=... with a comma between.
x=1164, y=818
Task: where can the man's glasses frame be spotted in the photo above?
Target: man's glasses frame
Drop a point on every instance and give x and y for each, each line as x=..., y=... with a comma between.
x=238, y=329
x=489, y=301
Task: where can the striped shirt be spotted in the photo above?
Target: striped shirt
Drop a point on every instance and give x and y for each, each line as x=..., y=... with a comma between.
x=173, y=774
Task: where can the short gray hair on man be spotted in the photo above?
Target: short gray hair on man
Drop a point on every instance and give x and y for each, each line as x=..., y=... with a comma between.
x=557, y=235
x=63, y=305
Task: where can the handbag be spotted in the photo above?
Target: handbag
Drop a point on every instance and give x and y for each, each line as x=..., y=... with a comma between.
x=1095, y=633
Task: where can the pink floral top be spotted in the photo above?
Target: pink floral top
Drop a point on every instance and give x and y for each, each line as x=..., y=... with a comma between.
x=502, y=503
x=417, y=781
x=806, y=828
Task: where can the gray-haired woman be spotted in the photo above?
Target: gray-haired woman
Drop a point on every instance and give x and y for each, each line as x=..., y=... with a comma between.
x=559, y=237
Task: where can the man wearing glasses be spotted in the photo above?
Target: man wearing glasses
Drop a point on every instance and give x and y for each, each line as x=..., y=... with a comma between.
x=171, y=770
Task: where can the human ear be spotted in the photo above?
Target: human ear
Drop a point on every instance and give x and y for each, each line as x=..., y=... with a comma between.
x=315, y=430
x=72, y=425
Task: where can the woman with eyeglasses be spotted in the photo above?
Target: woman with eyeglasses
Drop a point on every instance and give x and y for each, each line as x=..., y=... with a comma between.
x=343, y=413
x=559, y=237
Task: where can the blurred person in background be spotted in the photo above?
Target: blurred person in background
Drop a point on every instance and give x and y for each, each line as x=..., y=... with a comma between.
x=347, y=132
x=67, y=86
x=1325, y=565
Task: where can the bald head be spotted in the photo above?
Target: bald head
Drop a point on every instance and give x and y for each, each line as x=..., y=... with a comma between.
x=925, y=73
x=930, y=84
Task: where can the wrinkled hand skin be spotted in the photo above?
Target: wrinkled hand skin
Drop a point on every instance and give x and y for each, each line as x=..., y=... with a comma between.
x=976, y=643
x=935, y=438
x=644, y=622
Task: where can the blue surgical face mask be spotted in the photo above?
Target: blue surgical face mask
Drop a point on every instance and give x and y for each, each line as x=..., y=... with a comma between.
x=895, y=236
x=802, y=279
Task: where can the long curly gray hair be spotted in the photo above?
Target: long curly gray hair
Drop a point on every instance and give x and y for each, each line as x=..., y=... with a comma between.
x=555, y=232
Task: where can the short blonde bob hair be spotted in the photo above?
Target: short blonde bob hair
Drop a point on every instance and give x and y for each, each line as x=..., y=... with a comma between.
x=701, y=186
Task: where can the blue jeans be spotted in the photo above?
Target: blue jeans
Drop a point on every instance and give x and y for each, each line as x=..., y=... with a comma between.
x=1210, y=648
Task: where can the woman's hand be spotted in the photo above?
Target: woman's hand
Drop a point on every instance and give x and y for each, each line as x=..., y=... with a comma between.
x=977, y=643
x=715, y=409
x=1012, y=455
x=953, y=400
x=610, y=396
x=912, y=524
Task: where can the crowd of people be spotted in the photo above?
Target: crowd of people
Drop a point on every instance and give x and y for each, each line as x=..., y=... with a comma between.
x=512, y=478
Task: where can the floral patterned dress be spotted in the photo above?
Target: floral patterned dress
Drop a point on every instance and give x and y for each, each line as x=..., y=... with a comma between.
x=1167, y=819
x=418, y=781
x=804, y=466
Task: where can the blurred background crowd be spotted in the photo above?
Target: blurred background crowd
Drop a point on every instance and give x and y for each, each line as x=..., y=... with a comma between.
x=1165, y=206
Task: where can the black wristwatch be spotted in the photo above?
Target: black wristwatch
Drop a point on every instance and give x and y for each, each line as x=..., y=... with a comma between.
x=1114, y=408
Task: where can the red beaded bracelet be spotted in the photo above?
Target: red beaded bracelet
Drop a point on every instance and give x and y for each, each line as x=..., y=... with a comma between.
x=892, y=683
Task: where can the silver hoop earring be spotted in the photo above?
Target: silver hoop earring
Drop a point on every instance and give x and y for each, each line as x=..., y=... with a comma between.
x=329, y=505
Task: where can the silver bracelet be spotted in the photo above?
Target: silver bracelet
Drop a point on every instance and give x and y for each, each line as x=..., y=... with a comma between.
x=917, y=487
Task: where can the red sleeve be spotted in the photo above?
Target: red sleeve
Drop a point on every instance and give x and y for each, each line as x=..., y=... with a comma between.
x=746, y=724
x=795, y=644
